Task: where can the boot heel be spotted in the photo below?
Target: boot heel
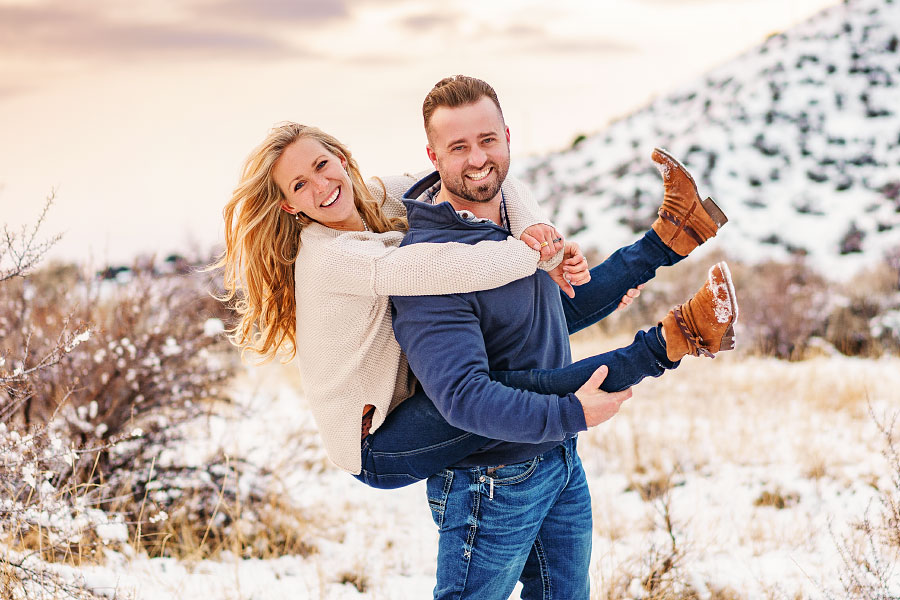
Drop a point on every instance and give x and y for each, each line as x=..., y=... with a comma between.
x=727, y=339
x=715, y=213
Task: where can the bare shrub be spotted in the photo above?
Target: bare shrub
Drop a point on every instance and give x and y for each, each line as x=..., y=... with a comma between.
x=21, y=251
x=40, y=510
x=871, y=557
x=226, y=505
x=787, y=310
x=145, y=378
x=660, y=572
x=24, y=579
x=860, y=323
x=782, y=307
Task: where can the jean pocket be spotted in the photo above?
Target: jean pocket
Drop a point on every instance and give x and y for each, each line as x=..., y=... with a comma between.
x=513, y=474
x=438, y=489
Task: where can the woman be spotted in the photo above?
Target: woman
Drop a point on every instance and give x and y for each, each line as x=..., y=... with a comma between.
x=312, y=257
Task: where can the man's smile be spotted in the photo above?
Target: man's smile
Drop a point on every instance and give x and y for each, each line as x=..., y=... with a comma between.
x=480, y=174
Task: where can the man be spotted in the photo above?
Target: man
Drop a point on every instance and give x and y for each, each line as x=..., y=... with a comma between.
x=518, y=509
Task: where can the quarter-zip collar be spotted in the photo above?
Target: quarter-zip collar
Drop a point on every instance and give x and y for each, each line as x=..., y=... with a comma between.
x=420, y=198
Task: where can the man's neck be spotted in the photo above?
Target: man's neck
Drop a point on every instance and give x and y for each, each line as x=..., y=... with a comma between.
x=482, y=210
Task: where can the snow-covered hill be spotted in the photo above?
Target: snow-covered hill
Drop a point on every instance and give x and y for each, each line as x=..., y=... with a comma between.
x=798, y=140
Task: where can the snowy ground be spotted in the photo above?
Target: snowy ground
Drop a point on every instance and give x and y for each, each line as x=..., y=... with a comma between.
x=726, y=434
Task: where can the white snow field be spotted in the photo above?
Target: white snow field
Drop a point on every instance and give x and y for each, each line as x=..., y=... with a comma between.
x=769, y=465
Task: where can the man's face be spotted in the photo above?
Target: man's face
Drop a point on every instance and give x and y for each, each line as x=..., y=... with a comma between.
x=469, y=146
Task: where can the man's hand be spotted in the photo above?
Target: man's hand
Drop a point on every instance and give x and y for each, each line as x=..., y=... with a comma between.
x=629, y=297
x=573, y=270
x=600, y=406
x=544, y=239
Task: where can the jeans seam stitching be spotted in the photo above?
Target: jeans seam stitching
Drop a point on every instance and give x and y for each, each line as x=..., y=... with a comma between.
x=521, y=476
x=545, y=569
x=470, y=536
x=445, y=495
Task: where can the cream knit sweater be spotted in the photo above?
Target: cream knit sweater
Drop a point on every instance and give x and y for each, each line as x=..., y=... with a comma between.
x=346, y=349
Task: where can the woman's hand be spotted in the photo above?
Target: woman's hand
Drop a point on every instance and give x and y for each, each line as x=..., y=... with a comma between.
x=629, y=297
x=575, y=265
x=544, y=239
x=573, y=270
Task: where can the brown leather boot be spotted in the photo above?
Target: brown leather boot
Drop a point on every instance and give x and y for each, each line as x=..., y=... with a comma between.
x=685, y=221
x=705, y=323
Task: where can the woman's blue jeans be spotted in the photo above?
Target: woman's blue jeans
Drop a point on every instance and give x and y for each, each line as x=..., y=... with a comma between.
x=415, y=441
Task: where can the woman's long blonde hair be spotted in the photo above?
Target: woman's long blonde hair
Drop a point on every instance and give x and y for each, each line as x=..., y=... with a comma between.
x=262, y=241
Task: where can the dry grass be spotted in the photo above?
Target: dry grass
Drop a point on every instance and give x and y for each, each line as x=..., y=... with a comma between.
x=741, y=415
x=701, y=395
x=777, y=499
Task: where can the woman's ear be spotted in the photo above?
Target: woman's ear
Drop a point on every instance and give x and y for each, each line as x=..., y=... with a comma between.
x=287, y=208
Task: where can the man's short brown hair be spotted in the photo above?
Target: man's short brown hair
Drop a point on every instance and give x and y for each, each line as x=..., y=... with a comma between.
x=457, y=91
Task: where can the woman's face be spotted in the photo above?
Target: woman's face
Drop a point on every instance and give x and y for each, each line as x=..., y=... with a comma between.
x=314, y=182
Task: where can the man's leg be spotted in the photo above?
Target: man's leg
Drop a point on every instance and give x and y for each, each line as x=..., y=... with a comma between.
x=488, y=519
x=559, y=562
x=625, y=268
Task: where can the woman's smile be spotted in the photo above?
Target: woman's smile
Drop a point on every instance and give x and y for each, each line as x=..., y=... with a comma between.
x=334, y=196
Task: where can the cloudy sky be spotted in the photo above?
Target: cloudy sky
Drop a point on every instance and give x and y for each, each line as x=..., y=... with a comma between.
x=139, y=114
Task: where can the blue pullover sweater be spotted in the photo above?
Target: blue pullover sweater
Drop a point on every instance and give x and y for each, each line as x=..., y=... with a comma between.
x=453, y=341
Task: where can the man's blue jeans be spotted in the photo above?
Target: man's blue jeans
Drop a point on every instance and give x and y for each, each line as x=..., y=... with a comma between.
x=415, y=441
x=529, y=521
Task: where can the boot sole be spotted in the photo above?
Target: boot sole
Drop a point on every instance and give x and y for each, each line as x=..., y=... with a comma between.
x=709, y=205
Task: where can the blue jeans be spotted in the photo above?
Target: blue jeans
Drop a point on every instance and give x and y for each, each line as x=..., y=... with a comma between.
x=415, y=441
x=529, y=521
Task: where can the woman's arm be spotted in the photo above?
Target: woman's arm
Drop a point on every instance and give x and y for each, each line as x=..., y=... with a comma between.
x=527, y=222
x=523, y=209
x=372, y=265
x=389, y=190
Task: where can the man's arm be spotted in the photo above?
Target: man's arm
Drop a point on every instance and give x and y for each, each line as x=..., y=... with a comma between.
x=444, y=344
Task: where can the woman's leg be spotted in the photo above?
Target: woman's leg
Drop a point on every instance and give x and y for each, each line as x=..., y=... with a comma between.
x=626, y=268
x=644, y=357
x=413, y=443
x=685, y=221
x=704, y=325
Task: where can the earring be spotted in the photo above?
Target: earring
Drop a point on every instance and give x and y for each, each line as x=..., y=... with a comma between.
x=297, y=216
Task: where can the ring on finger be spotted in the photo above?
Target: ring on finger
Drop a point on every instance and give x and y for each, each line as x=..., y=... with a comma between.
x=544, y=244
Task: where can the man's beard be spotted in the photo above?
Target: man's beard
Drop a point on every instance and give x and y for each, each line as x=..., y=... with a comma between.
x=479, y=192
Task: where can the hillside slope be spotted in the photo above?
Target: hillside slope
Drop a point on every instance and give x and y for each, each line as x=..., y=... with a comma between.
x=798, y=140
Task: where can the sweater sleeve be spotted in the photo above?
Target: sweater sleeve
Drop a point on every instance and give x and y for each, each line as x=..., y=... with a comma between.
x=524, y=212
x=359, y=265
x=443, y=341
x=523, y=209
x=389, y=190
